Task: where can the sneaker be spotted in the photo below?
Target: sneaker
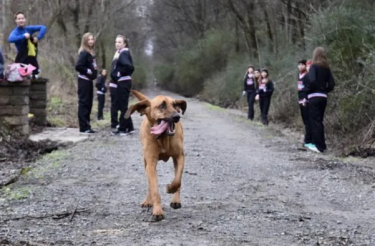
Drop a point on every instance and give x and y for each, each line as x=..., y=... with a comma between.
x=130, y=132
x=306, y=145
x=119, y=133
x=90, y=131
x=314, y=148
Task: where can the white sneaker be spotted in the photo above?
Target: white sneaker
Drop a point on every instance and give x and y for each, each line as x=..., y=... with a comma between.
x=313, y=148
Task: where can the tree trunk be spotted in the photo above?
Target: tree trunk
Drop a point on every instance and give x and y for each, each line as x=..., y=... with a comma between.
x=89, y=16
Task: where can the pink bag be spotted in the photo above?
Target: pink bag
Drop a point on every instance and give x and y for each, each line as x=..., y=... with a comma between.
x=18, y=72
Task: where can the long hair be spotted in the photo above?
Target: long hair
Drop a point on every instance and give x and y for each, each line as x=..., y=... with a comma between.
x=267, y=78
x=125, y=40
x=247, y=70
x=259, y=79
x=320, y=57
x=84, y=43
x=126, y=45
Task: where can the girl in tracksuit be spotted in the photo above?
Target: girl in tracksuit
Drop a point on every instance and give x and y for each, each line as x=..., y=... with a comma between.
x=122, y=69
x=302, y=100
x=113, y=93
x=250, y=87
x=265, y=91
x=87, y=69
x=319, y=84
x=101, y=90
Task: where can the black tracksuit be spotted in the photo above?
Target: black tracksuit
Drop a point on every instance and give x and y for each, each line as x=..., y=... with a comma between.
x=102, y=89
x=265, y=92
x=304, y=106
x=250, y=86
x=319, y=84
x=122, y=69
x=86, y=66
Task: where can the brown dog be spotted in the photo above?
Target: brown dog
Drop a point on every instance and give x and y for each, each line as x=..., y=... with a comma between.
x=162, y=137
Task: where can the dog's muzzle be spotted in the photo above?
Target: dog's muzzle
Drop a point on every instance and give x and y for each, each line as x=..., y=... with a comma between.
x=166, y=126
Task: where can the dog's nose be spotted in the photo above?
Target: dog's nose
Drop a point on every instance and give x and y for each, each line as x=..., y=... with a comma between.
x=176, y=117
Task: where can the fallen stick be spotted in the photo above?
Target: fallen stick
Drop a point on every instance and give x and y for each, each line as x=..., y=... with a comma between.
x=57, y=216
x=74, y=212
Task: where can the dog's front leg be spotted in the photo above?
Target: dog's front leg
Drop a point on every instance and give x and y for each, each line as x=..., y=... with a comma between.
x=147, y=203
x=157, y=210
x=175, y=186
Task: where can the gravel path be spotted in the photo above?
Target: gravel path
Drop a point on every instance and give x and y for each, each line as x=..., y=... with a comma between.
x=243, y=184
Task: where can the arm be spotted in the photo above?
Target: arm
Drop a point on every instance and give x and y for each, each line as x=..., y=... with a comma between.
x=81, y=65
x=14, y=37
x=41, y=29
x=311, y=82
x=270, y=88
x=99, y=83
x=126, y=63
x=331, y=82
x=104, y=87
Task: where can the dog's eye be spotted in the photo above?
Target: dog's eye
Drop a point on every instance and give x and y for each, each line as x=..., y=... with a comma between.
x=163, y=106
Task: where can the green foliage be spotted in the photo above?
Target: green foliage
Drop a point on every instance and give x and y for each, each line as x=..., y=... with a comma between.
x=225, y=88
x=140, y=76
x=194, y=63
x=213, y=67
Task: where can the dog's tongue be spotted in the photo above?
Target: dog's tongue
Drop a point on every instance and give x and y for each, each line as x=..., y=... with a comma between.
x=159, y=129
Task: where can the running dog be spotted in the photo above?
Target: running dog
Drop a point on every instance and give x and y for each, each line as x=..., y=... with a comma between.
x=162, y=137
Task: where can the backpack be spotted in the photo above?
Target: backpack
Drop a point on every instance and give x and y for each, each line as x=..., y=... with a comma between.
x=18, y=72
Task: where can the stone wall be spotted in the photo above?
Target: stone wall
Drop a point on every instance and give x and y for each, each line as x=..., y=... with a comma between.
x=38, y=101
x=18, y=99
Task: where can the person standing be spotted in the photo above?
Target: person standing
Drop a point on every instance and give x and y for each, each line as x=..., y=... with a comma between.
x=250, y=87
x=265, y=92
x=25, y=41
x=122, y=69
x=319, y=84
x=101, y=90
x=87, y=68
x=303, y=102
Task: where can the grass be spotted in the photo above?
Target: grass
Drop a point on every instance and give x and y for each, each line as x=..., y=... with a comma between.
x=16, y=193
x=214, y=107
x=53, y=161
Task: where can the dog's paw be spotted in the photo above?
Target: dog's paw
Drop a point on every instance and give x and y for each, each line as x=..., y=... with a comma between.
x=175, y=205
x=146, y=205
x=156, y=218
x=172, y=188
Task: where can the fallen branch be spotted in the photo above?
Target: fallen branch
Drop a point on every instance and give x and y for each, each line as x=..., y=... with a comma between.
x=56, y=216
x=74, y=212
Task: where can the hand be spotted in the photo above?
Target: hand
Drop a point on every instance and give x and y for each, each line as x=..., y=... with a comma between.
x=35, y=39
x=27, y=35
x=243, y=93
x=257, y=97
x=89, y=71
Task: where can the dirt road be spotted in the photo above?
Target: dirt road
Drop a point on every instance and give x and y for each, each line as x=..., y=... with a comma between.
x=244, y=184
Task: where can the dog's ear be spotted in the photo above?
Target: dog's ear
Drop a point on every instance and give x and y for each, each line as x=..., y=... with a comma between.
x=140, y=107
x=181, y=105
x=139, y=95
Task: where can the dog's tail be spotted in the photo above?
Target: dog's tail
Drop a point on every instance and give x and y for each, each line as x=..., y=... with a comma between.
x=139, y=95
